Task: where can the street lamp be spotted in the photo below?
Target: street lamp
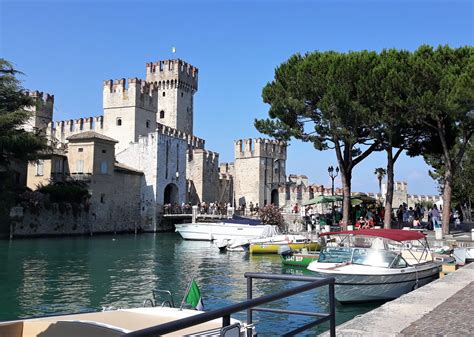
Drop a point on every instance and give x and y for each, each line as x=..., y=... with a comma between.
x=333, y=176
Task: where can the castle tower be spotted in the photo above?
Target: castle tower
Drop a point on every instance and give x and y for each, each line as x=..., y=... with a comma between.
x=259, y=170
x=177, y=81
x=129, y=110
x=42, y=112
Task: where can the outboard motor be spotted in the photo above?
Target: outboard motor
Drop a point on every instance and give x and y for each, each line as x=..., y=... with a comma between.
x=285, y=250
x=222, y=244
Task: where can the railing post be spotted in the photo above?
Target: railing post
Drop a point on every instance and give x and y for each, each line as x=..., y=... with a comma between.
x=249, y=297
x=332, y=310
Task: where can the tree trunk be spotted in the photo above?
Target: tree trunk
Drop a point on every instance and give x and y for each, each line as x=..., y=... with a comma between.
x=346, y=202
x=387, y=221
x=447, y=192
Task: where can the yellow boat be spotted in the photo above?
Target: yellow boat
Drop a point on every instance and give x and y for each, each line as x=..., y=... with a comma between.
x=272, y=247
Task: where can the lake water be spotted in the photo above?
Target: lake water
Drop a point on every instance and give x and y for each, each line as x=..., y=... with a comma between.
x=66, y=275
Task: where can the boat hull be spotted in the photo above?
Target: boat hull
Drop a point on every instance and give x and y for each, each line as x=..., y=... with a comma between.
x=218, y=231
x=272, y=248
x=299, y=259
x=353, y=288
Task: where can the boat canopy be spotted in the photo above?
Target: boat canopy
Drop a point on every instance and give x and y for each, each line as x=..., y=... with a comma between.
x=243, y=221
x=391, y=234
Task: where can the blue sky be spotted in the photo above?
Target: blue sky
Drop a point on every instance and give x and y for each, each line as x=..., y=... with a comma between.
x=68, y=48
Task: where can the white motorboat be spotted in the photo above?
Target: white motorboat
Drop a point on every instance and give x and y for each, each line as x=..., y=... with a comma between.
x=240, y=228
x=376, y=264
x=112, y=323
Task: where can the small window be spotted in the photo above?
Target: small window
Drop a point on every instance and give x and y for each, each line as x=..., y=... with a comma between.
x=162, y=114
x=181, y=94
x=102, y=198
x=119, y=121
x=164, y=94
x=80, y=149
x=147, y=124
x=103, y=167
x=104, y=151
x=39, y=168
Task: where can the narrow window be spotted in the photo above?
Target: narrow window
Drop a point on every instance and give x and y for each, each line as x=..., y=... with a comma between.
x=39, y=167
x=164, y=94
x=102, y=198
x=80, y=166
x=147, y=124
x=80, y=149
x=119, y=121
x=181, y=94
x=103, y=167
x=162, y=114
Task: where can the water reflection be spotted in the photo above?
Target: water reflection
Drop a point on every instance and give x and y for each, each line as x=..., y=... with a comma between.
x=46, y=276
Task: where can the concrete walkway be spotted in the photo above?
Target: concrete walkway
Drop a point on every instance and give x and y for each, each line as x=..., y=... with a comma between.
x=444, y=307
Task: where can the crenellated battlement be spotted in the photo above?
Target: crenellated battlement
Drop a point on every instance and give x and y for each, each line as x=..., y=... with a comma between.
x=169, y=74
x=61, y=130
x=209, y=157
x=131, y=92
x=260, y=147
x=41, y=96
x=193, y=141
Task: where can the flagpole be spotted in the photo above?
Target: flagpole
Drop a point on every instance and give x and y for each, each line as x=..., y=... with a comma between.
x=186, y=294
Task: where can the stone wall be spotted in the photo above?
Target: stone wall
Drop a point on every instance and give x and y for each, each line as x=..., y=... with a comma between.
x=203, y=171
x=70, y=219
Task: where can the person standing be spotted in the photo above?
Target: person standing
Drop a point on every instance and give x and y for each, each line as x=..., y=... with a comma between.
x=435, y=218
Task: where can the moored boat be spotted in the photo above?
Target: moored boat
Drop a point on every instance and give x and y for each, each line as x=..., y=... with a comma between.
x=300, y=259
x=274, y=244
x=112, y=323
x=238, y=228
x=376, y=264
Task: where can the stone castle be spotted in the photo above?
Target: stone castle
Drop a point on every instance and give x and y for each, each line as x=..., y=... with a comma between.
x=141, y=154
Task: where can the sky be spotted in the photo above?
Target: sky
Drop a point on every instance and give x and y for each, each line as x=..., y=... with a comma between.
x=67, y=48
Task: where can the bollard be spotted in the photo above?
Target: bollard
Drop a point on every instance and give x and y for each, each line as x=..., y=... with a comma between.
x=438, y=234
x=327, y=228
x=472, y=234
x=350, y=227
x=195, y=212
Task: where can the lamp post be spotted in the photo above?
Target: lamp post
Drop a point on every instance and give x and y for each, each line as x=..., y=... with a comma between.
x=333, y=176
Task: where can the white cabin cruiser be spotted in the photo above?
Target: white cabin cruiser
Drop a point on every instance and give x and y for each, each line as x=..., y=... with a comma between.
x=376, y=264
x=236, y=228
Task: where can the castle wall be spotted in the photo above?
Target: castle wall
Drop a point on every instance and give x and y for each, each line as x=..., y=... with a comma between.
x=162, y=158
x=203, y=170
x=177, y=81
x=259, y=170
x=41, y=112
x=128, y=111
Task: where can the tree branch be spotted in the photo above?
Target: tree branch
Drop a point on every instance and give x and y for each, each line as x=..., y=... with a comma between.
x=365, y=154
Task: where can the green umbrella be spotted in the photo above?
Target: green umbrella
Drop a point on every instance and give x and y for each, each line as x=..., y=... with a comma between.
x=323, y=199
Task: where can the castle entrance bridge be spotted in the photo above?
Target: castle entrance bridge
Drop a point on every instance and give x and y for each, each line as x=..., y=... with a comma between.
x=196, y=216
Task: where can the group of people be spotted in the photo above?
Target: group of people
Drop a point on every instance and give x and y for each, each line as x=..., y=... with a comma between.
x=253, y=209
x=203, y=208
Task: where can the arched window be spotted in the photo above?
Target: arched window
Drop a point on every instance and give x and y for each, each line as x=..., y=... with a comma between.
x=119, y=121
x=162, y=114
x=164, y=94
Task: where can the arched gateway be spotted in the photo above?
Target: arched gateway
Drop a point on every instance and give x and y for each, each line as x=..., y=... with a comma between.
x=171, y=194
x=274, y=197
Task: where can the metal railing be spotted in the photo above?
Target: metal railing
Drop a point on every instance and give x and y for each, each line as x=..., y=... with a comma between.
x=252, y=304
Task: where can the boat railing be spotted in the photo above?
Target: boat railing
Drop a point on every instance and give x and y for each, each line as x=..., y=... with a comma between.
x=252, y=305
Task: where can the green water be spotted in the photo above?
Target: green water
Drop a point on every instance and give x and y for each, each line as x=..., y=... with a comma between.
x=66, y=275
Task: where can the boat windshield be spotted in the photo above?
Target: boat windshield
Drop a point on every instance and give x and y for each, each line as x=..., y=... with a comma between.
x=335, y=255
x=375, y=258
